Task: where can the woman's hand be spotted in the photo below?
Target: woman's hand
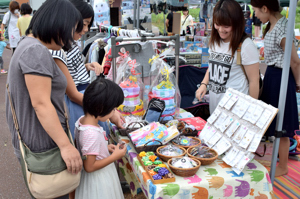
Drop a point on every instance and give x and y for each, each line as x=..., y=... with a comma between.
x=111, y=148
x=94, y=66
x=118, y=119
x=201, y=91
x=72, y=158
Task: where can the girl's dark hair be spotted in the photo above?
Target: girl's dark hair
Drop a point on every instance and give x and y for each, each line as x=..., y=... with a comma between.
x=272, y=5
x=55, y=19
x=101, y=97
x=13, y=5
x=228, y=13
x=25, y=9
x=86, y=11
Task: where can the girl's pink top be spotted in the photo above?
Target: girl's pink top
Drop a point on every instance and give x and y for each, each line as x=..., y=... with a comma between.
x=90, y=140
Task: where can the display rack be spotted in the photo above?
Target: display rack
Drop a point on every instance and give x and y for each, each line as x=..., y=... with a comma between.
x=144, y=37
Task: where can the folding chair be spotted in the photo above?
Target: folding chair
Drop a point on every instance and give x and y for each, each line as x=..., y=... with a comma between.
x=189, y=77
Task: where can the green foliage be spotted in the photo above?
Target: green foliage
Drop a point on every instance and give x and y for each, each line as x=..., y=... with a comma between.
x=158, y=20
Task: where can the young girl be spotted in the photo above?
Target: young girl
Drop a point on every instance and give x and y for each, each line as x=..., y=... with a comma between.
x=224, y=72
x=99, y=179
x=274, y=40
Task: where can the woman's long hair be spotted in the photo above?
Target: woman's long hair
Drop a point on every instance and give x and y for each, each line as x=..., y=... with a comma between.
x=272, y=5
x=228, y=13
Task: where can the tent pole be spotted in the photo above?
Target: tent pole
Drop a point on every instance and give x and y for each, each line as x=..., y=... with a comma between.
x=284, y=82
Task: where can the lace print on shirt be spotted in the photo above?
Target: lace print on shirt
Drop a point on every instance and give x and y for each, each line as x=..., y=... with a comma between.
x=219, y=70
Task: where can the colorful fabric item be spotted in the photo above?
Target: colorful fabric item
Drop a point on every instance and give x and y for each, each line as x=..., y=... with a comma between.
x=131, y=101
x=157, y=134
x=137, y=110
x=163, y=93
x=197, y=122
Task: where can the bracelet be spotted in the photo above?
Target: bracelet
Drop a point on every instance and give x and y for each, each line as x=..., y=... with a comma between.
x=203, y=84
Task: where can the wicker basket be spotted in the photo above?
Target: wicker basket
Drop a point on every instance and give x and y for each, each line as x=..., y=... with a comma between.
x=130, y=128
x=146, y=147
x=166, y=158
x=204, y=161
x=184, y=172
x=186, y=147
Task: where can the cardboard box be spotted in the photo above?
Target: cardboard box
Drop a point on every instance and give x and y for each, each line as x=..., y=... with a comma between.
x=176, y=22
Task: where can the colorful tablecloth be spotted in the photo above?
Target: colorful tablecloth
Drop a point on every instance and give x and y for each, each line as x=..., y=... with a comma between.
x=213, y=181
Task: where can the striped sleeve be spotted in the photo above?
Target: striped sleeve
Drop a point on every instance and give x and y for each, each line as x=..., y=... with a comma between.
x=76, y=66
x=59, y=54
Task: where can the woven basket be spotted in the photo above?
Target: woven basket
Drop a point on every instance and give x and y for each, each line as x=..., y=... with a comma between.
x=129, y=128
x=184, y=172
x=186, y=147
x=204, y=161
x=166, y=158
x=146, y=147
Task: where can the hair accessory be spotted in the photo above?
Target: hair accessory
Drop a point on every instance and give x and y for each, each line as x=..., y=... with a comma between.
x=162, y=165
x=163, y=171
x=147, y=163
x=156, y=169
x=157, y=177
x=157, y=162
x=152, y=158
x=142, y=154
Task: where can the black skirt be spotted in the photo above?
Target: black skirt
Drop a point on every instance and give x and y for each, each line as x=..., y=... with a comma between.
x=270, y=95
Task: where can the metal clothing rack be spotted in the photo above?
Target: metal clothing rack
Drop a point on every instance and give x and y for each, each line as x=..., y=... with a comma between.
x=144, y=37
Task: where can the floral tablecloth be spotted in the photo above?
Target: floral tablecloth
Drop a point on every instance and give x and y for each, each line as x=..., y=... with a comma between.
x=213, y=181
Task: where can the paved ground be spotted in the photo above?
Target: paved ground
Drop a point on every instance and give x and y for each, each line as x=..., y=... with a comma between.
x=12, y=185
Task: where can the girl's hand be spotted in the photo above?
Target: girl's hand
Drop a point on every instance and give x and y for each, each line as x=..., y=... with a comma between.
x=94, y=66
x=201, y=91
x=111, y=148
x=119, y=152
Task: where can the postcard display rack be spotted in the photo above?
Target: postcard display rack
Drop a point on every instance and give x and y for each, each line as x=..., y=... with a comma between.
x=236, y=127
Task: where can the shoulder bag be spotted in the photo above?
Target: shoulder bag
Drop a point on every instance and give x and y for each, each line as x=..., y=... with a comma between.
x=239, y=62
x=45, y=173
x=6, y=35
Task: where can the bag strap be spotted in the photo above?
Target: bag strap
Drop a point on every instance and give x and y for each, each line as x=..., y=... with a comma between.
x=239, y=59
x=185, y=20
x=16, y=120
x=13, y=112
x=8, y=19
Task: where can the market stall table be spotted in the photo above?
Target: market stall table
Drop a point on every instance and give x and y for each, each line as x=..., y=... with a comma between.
x=216, y=180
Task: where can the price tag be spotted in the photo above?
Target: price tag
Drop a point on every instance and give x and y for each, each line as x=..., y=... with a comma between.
x=214, y=116
x=263, y=119
x=234, y=126
x=225, y=99
x=240, y=134
x=240, y=107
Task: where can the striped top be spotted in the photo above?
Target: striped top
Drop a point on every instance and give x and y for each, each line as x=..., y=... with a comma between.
x=73, y=60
